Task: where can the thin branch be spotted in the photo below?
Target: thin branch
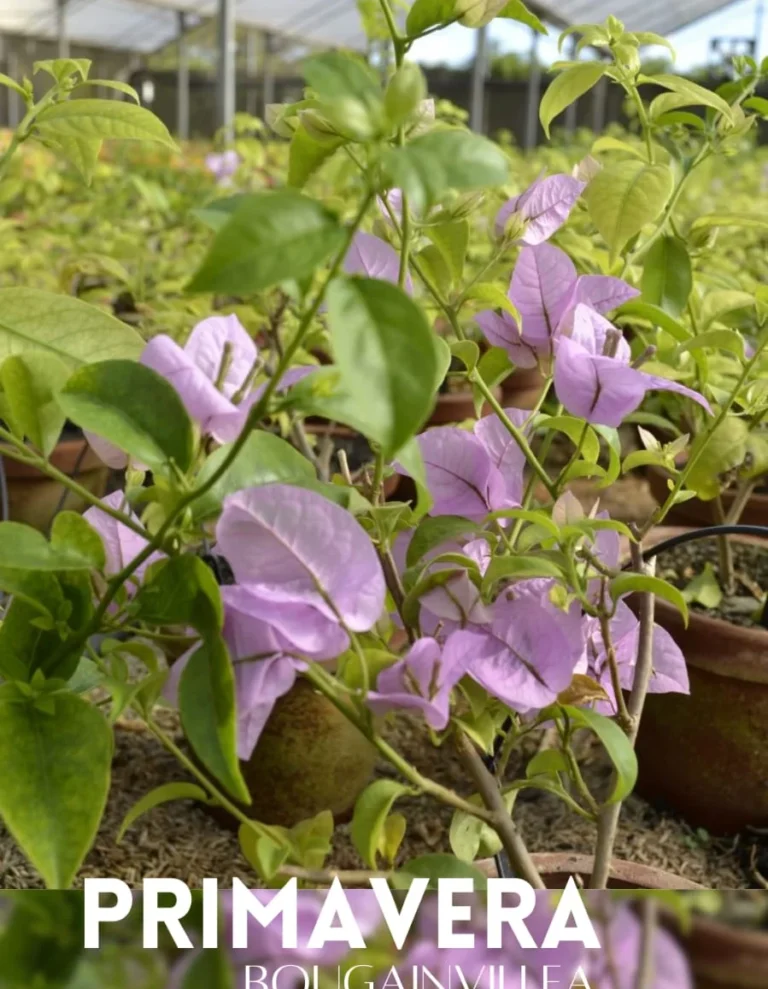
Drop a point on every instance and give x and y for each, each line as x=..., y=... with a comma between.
x=646, y=966
x=505, y=827
x=608, y=822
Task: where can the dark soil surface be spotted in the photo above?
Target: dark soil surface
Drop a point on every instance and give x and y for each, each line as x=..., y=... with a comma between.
x=682, y=564
x=181, y=840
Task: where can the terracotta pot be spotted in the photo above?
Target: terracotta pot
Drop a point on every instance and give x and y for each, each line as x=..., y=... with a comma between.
x=557, y=867
x=724, y=957
x=309, y=758
x=34, y=498
x=697, y=512
x=458, y=406
x=707, y=755
x=522, y=389
x=720, y=956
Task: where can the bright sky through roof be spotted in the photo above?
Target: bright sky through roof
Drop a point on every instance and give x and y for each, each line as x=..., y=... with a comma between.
x=455, y=45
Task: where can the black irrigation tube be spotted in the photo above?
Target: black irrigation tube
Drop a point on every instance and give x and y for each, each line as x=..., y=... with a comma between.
x=761, y=531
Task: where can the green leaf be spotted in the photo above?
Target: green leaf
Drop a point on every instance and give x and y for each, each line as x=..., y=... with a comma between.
x=74, y=546
x=630, y=583
x=472, y=838
x=432, y=532
x=704, y=589
x=411, y=460
x=721, y=303
x=493, y=367
x=730, y=340
x=467, y=352
x=71, y=330
x=217, y=213
x=656, y=317
x=120, y=87
x=386, y=354
x=265, y=853
x=29, y=383
x=667, y=275
x=306, y=156
x=576, y=433
x=269, y=238
x=439, y=866
x=12, y=84
x=371, y=811
x=160, y=795
x=624, y=196
x=495, y=297
x=715, y=454
x=515, y=10
x=209, y=713
x=54, y=788
x=63, y=68
x=181, y=591
x=520, y=567
x=615, y=743
x=757, y=103
x=334, y=75
x=566, y=88
x=441, y=160
x=690, y=92
x=312, y=839
x=425, y=14
x=133, y=407
x=82, y=152
x=477, y=13
x=211, y=969
x=452, y=240
x=72, y=536
x=264, y=459
x=741, y=220
x=103, y=119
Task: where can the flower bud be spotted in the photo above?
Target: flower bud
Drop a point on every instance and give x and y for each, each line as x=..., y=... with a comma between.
x=406, y=90
x=318, y=128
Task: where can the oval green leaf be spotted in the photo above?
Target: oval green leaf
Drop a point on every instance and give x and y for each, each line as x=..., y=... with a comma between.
x=133, y=407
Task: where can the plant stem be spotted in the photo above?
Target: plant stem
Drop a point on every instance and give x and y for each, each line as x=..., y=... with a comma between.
x=613, y=664
x=649, y=911
x=724, y=550
x=254, y=416
x=513, y=430
x=262, y=830
x=658, y=516
x=23, y=455
x=326, y=685
x=488, y=788
x=609, y=818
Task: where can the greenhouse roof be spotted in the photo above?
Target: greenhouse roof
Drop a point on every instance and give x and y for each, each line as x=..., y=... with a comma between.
x=146, y=25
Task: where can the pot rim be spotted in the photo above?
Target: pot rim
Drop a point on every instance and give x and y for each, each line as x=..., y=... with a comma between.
x=752, y=665
x=637, y=875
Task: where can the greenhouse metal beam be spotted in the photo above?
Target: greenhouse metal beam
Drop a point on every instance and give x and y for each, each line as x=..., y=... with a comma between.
x=62, y=36
x=226, y=66
x=479, y=71
x=182, y=80
x=534, y=95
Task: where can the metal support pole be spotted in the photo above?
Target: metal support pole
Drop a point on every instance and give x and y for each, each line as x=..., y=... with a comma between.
x=534, y=95
x=226, y=66
x=251, y=70
x=61, y=29
x=14, y=100
x=479, y=71
x=759, y=21
x=269, y=69
x=599, y=96
x=182, y=80
x=572, y=111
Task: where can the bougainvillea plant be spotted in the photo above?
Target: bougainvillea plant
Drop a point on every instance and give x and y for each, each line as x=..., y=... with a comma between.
x=232, y=564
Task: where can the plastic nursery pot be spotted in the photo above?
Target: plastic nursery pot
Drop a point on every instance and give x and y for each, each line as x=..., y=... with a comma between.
x=706, y=755
x=34, y=498
x=309, y=758
x=697, y=512
x=556, y=868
